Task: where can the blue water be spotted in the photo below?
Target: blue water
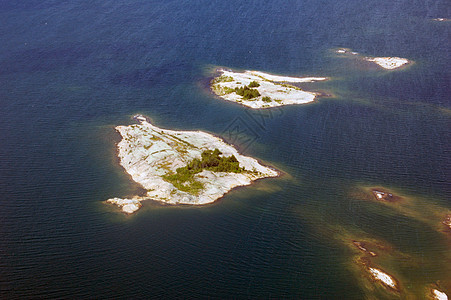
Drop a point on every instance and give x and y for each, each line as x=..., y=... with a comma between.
x=72, y=70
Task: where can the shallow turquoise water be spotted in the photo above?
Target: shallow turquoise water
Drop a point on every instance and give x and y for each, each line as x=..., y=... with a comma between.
x=70, y=71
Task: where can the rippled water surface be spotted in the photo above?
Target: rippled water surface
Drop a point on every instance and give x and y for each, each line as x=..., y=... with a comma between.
x=72, y=70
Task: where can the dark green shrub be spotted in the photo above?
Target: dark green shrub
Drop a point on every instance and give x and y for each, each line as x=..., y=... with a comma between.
x=254, y=84
x=247, y=93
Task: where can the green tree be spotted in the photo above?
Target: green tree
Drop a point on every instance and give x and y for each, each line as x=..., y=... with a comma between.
x=253, y=84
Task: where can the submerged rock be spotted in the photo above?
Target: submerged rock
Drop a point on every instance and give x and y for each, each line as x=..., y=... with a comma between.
x=127, y=205
x=447, y=221
x=362, y=247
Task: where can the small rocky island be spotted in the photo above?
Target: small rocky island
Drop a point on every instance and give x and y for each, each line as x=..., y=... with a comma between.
x=384, y=278
x=261, y=90
x=181, y=167
x=438, y=295
x=447, y=222
x=384, y=196
x=388, y=63
x=441, y=19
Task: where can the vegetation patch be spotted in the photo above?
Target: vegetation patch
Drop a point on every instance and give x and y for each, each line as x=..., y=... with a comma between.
x=220, y=90
x=223, y=78
x=253, y=84
x=247, y=93
x=290, y=86
x=210, y=160
x=228, y=90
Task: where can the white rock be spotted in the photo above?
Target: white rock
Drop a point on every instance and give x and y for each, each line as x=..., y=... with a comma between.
x=384, y=277
x=127, y=205
x=442, y=19
x=388, y=63
x=439, y=295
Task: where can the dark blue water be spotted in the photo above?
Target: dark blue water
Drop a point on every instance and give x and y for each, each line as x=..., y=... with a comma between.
x=72, y=70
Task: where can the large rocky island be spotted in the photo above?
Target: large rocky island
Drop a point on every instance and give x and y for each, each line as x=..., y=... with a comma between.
x=181, y=167
x=261, y=90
